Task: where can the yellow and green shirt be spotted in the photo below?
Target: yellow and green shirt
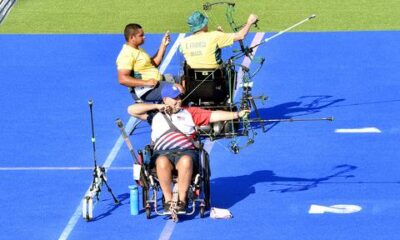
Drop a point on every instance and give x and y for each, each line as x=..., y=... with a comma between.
x=139, y=62
x=203, y=49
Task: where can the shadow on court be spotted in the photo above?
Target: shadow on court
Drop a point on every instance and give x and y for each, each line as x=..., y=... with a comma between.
x=227, y=191
x=304, y=106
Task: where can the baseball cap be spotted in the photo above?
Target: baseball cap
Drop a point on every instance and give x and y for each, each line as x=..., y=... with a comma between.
x=170, y=91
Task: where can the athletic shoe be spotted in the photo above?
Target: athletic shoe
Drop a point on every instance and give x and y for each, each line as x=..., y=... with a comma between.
x=181, y=207
x=167, y=207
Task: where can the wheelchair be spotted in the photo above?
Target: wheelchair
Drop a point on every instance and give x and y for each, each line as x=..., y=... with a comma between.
x=198, y=192
x=211, y=89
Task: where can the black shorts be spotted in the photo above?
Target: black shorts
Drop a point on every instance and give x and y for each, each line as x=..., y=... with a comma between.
x=175, y=155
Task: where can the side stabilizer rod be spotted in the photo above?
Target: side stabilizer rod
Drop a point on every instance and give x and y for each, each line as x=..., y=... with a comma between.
x=289, y=120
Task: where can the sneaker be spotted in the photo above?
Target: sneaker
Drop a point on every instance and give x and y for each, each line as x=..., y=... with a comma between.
x=167, y=207
x=181, y=207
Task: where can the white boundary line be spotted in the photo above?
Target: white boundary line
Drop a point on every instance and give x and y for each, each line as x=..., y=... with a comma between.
x=358, y=130
x=117, y=146
x=58, y=168
x=246, y=61
x=171, y=53
x=169, y=227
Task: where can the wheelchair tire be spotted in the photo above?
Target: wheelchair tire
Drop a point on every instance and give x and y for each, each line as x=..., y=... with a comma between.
x=202, y=211
x=145, y=196
x=207, y=197
x=206, y=181
x=148, y=212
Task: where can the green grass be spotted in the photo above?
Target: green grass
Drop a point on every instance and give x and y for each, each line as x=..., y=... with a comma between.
x=90, y=16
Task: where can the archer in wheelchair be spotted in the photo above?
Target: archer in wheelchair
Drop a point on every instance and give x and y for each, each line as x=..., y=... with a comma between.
x=208, y=81
x=203, y=61
x=202, y=49
x=176, y=155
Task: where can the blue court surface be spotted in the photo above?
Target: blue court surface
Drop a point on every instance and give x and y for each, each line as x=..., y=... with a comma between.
x=286, y=185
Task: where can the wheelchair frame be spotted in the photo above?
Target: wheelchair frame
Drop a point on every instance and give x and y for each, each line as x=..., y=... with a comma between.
x=199, y=189
x=209, y=87
x=198, y=192
x=201, y=83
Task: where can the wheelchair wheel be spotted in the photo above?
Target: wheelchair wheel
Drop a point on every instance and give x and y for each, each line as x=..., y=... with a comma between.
x=145, y=196
x=148, y=212
x=206, y=180
x=202, y=211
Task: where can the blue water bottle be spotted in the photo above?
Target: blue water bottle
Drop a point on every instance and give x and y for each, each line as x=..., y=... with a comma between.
x=134, y=197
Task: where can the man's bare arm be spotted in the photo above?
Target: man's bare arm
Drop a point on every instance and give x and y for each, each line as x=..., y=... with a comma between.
x=125, y=78
x=139, y=110
x=246, y=28
x=158, y=57
x=217, y=116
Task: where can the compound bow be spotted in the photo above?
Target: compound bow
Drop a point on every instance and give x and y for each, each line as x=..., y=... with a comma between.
x=247, y=100
x=229, y=14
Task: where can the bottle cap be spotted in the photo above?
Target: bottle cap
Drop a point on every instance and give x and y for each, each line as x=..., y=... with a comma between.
x=132, y=187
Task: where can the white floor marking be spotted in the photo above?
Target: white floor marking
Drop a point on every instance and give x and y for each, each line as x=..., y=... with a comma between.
x=58, y=168
x=358, y=130
x=337, y=209
x=246, y=61
x=171, y=53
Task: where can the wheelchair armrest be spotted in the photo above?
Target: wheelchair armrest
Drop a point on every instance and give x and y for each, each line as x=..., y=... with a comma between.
x=211, y=129
x=147, y=153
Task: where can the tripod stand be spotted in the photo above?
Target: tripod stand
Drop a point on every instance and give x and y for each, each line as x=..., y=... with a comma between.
x=99, y=179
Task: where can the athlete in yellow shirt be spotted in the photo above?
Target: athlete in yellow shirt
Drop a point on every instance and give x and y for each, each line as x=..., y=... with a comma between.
x=137, y=70
x=203, y=48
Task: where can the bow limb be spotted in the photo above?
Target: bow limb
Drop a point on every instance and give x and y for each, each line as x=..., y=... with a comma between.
x=230, y=8
x=235, y=28
x=208, y=6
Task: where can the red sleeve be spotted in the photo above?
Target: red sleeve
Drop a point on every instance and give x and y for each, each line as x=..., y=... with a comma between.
x=200, y=116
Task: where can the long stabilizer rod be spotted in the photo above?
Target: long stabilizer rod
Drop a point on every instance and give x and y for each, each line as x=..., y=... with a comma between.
x=291, y=120
x=289, y=28
x=288, y=120
x=285, y=30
